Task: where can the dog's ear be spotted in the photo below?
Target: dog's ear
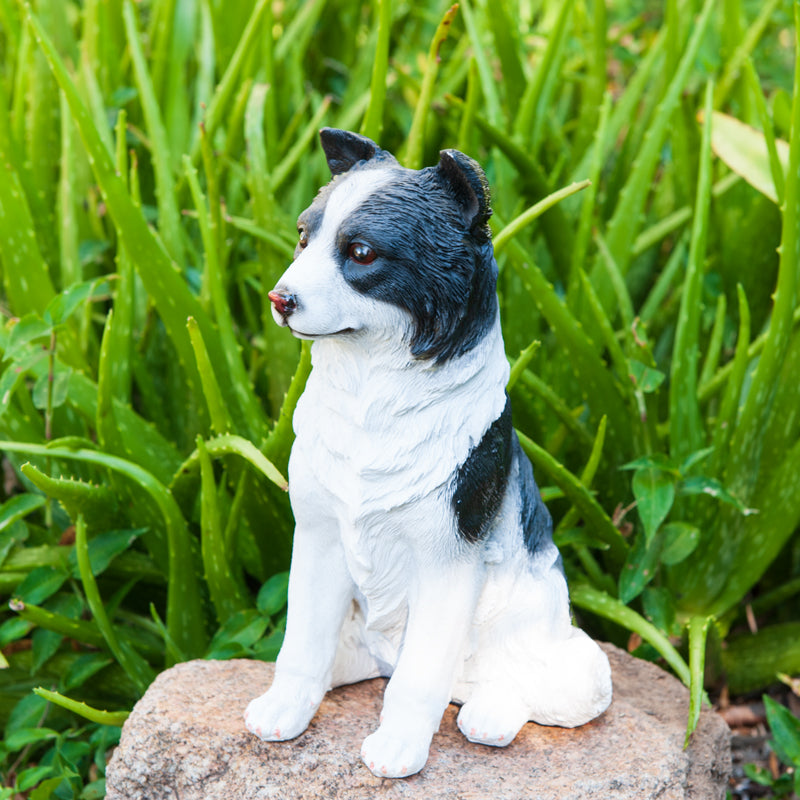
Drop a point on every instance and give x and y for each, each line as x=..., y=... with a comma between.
x=344, y=149
x=470, y=187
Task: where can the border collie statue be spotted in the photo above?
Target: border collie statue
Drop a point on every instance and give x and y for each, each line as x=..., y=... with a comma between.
x=422, y=549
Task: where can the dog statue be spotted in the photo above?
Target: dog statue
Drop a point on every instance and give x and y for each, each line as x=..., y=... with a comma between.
x=422, y=551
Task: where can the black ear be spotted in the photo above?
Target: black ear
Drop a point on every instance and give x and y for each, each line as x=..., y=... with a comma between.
x=344, y=149
x=470, y=187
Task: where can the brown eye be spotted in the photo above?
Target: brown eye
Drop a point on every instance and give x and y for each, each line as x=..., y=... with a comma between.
x=303, y=240
x=361, y=253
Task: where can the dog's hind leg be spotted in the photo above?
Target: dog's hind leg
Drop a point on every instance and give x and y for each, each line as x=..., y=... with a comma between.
x=571, y=685
x=565, y=683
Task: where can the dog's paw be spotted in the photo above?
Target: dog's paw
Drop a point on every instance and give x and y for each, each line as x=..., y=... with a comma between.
x=283, y=712
x=492, y=720
x=393, y=753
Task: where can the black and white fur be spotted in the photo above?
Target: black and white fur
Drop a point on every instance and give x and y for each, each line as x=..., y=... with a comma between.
x=422, y=550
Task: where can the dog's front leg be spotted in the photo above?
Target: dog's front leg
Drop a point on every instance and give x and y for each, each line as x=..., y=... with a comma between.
x=320, y=594
x=441, y=609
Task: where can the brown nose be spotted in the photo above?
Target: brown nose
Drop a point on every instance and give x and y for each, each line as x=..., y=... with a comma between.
x=284, y=304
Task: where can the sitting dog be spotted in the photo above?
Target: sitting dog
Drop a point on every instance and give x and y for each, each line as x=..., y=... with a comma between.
x=422, y=550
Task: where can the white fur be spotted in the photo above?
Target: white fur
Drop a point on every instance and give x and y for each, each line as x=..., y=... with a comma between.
x=381, y=583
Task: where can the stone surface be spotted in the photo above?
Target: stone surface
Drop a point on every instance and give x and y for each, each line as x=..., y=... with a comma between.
x=186, y=739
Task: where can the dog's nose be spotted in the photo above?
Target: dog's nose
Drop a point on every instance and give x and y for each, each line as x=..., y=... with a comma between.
x=284, y=303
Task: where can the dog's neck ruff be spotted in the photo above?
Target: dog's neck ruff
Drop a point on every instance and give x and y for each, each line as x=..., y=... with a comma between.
x=371, y=411
x=369, y=371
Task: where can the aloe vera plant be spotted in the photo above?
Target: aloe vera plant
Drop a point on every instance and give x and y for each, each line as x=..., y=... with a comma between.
x=154, y=157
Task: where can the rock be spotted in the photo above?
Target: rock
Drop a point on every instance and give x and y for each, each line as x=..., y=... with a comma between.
x=186, y=739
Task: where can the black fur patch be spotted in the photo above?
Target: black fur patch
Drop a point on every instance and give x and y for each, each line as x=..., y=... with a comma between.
x=481, y=480
x=344, y=149
x=428, y=262
x=535, y=519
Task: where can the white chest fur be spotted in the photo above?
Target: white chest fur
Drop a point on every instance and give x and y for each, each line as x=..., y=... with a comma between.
x=381, y=431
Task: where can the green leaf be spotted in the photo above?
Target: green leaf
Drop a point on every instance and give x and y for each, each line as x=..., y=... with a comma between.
x=624, y=223
x=602, y=394
x=45, y=644
x=529, y=103
x=700, y=484
x=679, y=541
x=41, y=583
x=98, y=504
x=64, y=305
x=656, y=461
x=698, y=631
x=53, y=393
x=416, y=135
x=27, y=713
x=164, y=284
x=22, y=737
x=13, y=535
x=218, y=107
x=372, y=125
x=684, y=408
x=519, y=366
x=752, y=661
x=81, y=630
x=745, y=151
x=96, y=790
x=227, y=593
x=104, y=548
x=268, y=647
x=82, y=709
x=645, y=379
x=28, y=778
x=137, y=669
x=602, y=604
x=82, y=668
x=761, y=775
x=26, y=330
x=531, y=214
x=13, y=629
x=17, y=372
x=640, y=568
x=218, y=411
x=654, y=491
x=659, y=608
x=184, y=616
x=754, y=417
x=593, y=514
x=272, y=595
x=695, y=458
x=169, y=217
x=25, y=274
x=243, y=628
x=18, y=507
x=785, y=729
x=231, y=444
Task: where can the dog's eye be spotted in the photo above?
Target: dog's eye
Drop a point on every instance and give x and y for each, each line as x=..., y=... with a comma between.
x=303, y=237
x=361, y=253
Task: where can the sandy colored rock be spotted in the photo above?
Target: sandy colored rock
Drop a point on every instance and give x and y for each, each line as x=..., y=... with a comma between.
x=186, y=739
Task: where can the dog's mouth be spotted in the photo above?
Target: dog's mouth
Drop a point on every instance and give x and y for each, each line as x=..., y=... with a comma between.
x=312, y=336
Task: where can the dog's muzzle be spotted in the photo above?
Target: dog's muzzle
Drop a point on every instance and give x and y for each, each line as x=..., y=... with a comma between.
x=284, y=303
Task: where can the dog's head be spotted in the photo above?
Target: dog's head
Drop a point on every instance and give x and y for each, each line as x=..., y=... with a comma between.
x=401, y=254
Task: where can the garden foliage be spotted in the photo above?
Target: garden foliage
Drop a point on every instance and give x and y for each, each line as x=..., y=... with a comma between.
x=645, y=161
